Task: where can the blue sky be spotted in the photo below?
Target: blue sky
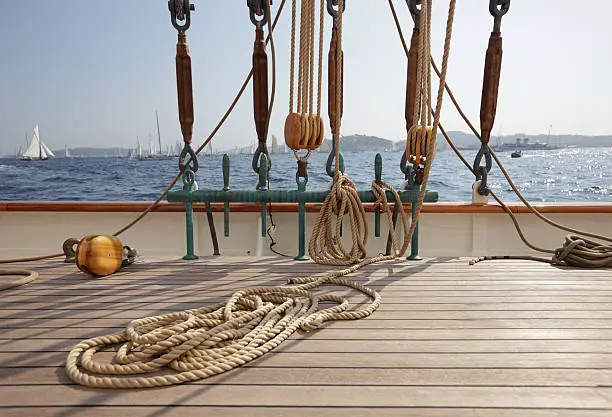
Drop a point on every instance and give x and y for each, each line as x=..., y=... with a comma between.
x=92, y=73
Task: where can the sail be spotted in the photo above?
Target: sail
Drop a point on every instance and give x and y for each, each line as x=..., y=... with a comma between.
x=46, y=150
x=36, y=149
x=67, y=152
x=33, y=151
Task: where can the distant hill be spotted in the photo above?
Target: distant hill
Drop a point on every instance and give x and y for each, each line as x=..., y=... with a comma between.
x=356, y=143
x=468, y=141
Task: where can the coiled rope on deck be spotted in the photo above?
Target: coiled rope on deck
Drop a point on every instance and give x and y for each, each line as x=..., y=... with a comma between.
x=200, y=343
x=27, y=277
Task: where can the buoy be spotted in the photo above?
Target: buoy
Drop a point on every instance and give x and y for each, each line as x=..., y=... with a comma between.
x=99, y=255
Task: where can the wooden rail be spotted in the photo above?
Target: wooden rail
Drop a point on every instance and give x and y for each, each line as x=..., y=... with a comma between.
x=136, y=206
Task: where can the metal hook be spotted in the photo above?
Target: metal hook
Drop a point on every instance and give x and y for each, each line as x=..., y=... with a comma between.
x=415, y=11
x=188, y=151
x=498, y=8
x=332, y=11
x=180, y=11
x=404, y=165
x=481, y=175
x=261, y=149
x=486, y=152
x=258, y=8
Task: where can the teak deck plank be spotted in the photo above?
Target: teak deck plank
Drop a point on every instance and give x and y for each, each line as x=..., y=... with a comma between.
x=500, y=338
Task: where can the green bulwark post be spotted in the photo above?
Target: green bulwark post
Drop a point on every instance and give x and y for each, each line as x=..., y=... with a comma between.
x=226, y=187
x=378, y=179
x=188, y=183
x=301, y=178
x=262, y=185
x=414, y=243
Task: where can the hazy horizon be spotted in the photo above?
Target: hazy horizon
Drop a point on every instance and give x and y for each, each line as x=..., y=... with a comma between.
x=93, y=75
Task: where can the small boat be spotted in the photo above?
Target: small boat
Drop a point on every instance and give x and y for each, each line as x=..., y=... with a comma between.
x=36, y=149
x=516, y=154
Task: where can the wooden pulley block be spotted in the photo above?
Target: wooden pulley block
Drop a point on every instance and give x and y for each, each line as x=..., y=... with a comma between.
x=319, y=131
x=99, y=255
x=417, y=151
x=305, y=130
x=314, y=131
x=293, y=130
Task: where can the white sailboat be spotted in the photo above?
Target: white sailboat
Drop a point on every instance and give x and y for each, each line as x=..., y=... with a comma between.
x=36, y=149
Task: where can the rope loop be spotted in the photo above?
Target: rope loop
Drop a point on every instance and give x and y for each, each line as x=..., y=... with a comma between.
x=180, y=11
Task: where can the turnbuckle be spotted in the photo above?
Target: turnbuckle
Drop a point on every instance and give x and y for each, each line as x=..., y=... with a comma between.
x=333, y=12
x=258, y=8
x=180, y=12
x=498, y=8
x=415, y=11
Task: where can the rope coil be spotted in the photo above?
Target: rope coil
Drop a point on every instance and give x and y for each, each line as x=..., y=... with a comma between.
x=196, y=344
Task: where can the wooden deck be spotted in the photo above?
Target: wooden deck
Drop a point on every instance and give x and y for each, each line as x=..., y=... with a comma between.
x=497, y=339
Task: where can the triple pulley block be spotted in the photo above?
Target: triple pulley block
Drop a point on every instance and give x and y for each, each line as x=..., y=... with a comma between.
x=304, y=127
x=304, y=131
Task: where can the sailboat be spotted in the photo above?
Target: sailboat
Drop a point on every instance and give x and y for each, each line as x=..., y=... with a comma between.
x=153, y=154
x=36, y=149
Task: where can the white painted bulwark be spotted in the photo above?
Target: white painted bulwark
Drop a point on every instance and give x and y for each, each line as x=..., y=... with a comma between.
x=29, y=233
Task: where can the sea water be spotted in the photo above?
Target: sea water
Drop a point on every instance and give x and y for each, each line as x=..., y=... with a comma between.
x=563, y=175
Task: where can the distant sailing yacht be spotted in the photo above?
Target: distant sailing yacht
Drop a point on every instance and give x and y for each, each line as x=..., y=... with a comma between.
x=36, y=149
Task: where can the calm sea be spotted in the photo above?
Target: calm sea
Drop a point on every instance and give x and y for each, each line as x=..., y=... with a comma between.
x=574, y=174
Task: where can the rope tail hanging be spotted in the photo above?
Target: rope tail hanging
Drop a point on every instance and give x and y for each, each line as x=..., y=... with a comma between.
x=326, y=245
